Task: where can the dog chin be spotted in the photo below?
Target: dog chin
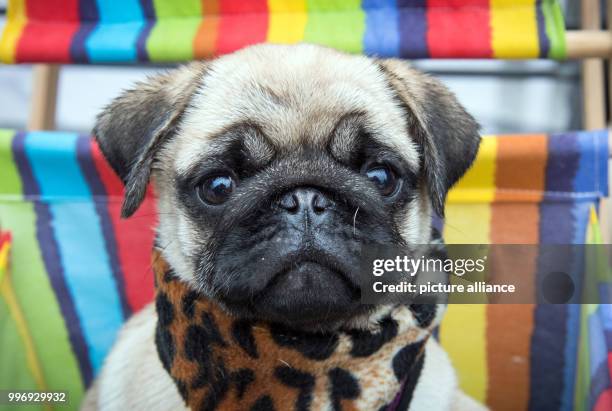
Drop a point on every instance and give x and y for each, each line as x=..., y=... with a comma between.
x=309, y=295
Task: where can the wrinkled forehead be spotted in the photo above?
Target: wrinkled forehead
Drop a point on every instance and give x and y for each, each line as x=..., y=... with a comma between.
x=293, y=99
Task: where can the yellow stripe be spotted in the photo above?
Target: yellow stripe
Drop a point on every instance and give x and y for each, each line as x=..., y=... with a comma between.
x=514, y=29
x=4, y=253
x=478, y=184
x=8, y=294
x=16, y=20
x=463, y=330
x=463, y=336
x=287, y=21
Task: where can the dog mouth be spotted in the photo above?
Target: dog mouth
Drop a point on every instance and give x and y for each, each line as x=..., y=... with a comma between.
x=305, y=274
x=303, y=287
x=301, y=270
x=307, y=290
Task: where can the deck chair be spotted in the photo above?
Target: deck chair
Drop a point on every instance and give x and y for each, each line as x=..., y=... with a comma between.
x=522, y=189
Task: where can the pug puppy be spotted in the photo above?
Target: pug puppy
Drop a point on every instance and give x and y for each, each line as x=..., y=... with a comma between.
x=281, y=159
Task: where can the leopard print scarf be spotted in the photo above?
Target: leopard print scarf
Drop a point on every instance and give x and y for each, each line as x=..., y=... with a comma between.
x=221, y=363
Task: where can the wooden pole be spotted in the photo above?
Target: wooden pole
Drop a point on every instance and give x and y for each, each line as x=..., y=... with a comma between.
x=605, y=208
x=593, y=43
x=593, y=98
x=588, y=43
x=44, y=96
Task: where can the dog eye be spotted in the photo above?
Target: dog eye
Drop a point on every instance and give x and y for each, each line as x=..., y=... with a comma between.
x=383, y=177
x=216, y=190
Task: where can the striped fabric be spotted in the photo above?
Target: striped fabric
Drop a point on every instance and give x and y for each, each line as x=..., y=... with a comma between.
x=127, y=31
x=527, y=189
x=78, y=270
x=594, y=368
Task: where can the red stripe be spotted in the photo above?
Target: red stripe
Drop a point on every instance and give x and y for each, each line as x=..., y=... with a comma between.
x=5, y=237
x=604, y=402
x=242, y=23
x=48, y=33
x=53, y=10
x=459, y=28
x=134, y=236
x=610, y=362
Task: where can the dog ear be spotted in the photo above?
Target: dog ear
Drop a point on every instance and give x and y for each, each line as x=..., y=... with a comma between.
x=447, y=135
x=133, y=127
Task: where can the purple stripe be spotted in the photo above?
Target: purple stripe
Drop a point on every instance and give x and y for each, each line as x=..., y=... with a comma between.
x=141, y=43
x=412, y=17
x=89, y=16
x=52, y=261
x=148, y=11
x=563, y=163
x=549, y=356
x=30, y=186
x=542, y=36
x=100, y=200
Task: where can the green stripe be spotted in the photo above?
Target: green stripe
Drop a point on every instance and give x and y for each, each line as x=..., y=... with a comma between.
x=173, y=8
x=10, y=183
x=583, y=377
x=596, y=262
x=172, y=37
x=15, y=374
x=34, y=291
x=339, y=24
x=555, y=28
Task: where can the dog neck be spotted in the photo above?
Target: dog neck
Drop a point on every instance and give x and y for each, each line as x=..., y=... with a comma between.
x=220, y=362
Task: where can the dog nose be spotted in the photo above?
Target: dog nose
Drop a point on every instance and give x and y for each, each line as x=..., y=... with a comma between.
x=301, y=199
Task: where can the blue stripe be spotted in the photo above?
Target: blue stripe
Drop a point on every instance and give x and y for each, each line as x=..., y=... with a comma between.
x=592, y=175
x=598, y=357
x=585, y=175
x=382, y=32
x=549, y=340
x=101, y=201
x=602, y=153
x=48, y=249
x=116, y=38
x=571, y=349
x=80, y=241
x=588, y=179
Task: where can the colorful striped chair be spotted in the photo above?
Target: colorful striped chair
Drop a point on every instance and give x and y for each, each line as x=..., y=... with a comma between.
x=106, y=31
x=77, y=270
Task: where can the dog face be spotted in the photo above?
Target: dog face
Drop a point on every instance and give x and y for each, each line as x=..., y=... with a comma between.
x=274, y=165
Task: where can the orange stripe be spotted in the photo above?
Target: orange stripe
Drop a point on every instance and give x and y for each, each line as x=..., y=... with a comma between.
x=521, y=163
x=521, y=177
x=204, y=44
